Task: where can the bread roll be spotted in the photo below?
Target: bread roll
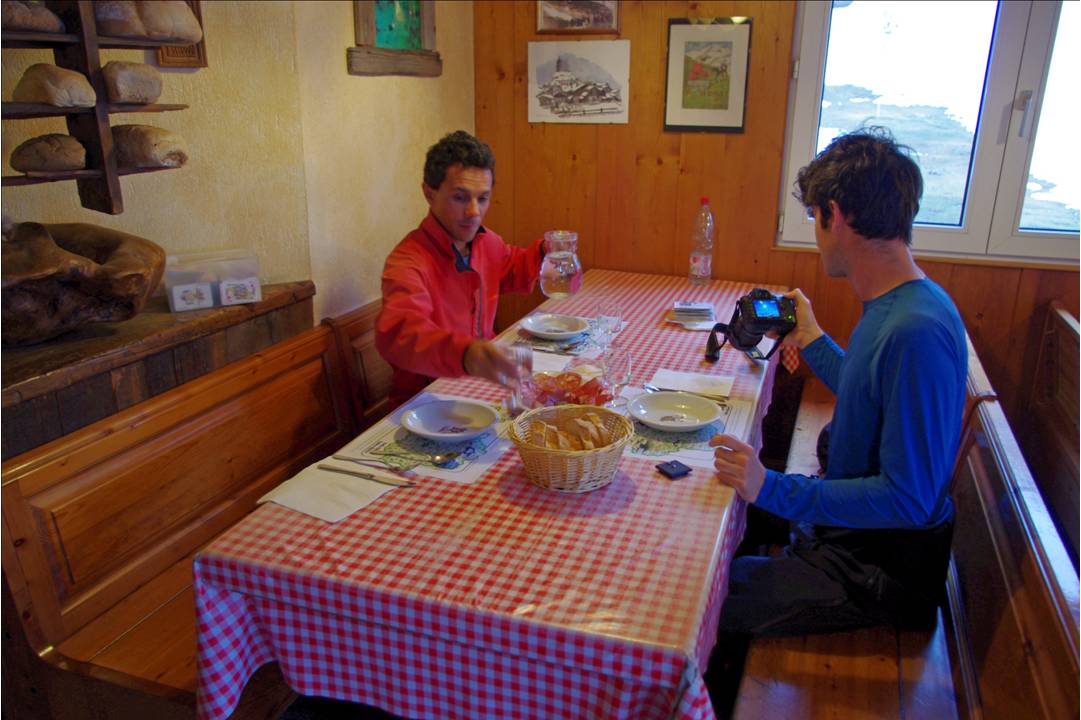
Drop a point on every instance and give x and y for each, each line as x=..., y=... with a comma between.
x=127, y=82
x=166, y=20
x=49, y=153
x=145, y=146
x=52, y=85
x=19, y=15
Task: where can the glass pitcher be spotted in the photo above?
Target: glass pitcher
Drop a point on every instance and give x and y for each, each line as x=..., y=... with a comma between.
x=560, y=273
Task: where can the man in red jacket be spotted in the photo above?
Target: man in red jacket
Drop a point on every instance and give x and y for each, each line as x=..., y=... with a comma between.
x=441, y=284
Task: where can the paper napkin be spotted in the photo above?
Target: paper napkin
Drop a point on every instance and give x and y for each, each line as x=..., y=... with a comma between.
x=719, y=386
x=327, y=495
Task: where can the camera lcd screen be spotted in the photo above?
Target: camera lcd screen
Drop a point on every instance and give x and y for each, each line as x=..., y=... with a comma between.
x=766, y=308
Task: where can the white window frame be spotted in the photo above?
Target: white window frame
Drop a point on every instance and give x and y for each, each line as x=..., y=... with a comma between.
x=1022, y=38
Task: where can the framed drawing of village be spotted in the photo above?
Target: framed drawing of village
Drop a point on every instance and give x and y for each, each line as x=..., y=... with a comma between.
x=583, y=81
x=707, y=74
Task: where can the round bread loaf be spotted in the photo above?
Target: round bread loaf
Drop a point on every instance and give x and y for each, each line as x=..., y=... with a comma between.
x=49, y=153
x=170, y=20
x=146, y=146
x=20, y=15
x=52, y=85
x=128, y=82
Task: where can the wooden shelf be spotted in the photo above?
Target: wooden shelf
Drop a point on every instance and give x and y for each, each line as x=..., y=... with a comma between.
x=112, y=43
x=47, y=177
x=19, y=110
x=99, y=185
x=43, y=177
x=26, y=39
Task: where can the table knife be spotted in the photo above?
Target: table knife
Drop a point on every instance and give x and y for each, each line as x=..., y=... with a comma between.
x=367, y=476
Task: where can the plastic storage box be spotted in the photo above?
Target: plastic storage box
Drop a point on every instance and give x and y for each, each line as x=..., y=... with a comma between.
x=211, y=279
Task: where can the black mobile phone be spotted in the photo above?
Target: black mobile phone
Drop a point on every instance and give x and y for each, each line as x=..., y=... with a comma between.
x=673, y=469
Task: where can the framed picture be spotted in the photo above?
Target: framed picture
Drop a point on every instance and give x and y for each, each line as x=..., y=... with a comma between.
x=394, y=37
x=583, y=81
x=578, y=16
x=707, y=74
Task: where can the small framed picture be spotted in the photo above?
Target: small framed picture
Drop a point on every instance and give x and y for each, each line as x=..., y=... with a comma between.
x=237, y=291
x=707, y=74
x=578, y=16
x=193, y=296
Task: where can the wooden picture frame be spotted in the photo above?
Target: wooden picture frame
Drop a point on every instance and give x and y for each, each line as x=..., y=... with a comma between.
x=186, y=56
x=706, y=86
x=574, y=17
x=368, y=59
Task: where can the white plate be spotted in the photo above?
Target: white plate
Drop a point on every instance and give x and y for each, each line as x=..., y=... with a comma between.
x=449, y=420
x=674, y=411
x=554, y=327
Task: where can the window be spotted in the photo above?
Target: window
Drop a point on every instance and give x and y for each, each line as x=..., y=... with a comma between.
x=978, y=89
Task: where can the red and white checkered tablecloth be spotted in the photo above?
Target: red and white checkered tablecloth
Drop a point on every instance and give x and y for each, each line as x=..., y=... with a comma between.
x=496, y=599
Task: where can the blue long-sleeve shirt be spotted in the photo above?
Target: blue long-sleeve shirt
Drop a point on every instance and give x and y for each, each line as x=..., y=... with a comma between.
x=897, y=422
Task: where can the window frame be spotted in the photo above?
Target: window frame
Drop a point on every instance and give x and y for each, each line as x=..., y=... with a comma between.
x=1019, y=59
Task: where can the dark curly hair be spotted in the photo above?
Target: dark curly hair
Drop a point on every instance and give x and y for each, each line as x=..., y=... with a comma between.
x=457, y=148
x=872, y=178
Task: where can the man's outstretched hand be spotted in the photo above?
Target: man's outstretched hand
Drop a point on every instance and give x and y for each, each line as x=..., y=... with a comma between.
x=488, y=360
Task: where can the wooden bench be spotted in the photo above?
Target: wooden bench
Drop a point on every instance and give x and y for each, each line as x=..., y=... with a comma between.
x=367, y=373
x=1049, y=435
x=100, y=527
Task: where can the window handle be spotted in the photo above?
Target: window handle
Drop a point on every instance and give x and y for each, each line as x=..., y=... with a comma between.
x=1023, y=103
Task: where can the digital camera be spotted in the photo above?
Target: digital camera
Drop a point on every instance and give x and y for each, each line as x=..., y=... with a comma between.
x=756, y=313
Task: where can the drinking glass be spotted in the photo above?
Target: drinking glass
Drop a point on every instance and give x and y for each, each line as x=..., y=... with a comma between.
x=609, y=319
x=616, y=364
x=560, y=273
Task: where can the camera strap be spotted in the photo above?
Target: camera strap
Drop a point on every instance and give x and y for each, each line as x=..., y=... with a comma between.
x=713, y=345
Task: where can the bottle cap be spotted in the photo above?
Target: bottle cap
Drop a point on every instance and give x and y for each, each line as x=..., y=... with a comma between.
x=704, y=200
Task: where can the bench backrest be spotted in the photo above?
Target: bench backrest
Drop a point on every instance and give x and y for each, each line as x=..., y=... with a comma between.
x=1013, y=588
x=91, y=516
x=369, y=375
x=1050, y=432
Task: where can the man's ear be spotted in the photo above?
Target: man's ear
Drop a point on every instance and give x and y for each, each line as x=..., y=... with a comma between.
x=429, y=193
x=836, y=216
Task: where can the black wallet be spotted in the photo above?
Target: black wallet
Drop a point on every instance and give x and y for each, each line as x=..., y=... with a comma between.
x=673, y=469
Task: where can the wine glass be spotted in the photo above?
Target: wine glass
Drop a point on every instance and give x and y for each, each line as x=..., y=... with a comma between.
x=616, y=364
x=609, y=319
x=560, y=272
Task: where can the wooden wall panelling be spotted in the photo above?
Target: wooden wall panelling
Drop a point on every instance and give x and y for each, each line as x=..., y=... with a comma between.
x=369, y=376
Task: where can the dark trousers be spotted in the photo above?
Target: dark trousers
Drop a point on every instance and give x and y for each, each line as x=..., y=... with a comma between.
x=829, y=579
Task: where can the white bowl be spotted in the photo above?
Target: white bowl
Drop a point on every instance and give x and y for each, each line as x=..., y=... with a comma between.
x=449, y=420
x=674, y=411
x=554, y=327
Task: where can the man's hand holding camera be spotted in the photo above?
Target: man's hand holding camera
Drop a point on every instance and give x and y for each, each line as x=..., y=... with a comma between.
x=807, y=329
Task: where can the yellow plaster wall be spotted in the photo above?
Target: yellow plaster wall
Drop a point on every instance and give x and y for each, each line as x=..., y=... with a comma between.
x=315, y=170
x=244, y=183
x=365, y=140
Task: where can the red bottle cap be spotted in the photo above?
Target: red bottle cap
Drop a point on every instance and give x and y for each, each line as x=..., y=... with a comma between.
x=704, y=200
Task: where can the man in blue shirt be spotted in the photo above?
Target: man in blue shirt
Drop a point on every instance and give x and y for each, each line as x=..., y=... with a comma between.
x=870, y=541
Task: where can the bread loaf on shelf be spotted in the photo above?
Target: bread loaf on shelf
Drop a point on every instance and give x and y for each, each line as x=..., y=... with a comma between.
x=146, y=146
x=128, y=82
x=163, y=20
x=52, y=85
x=35, y=17
x=49, y=153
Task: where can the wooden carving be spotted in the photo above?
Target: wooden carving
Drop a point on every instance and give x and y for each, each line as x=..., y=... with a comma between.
x=57, y=278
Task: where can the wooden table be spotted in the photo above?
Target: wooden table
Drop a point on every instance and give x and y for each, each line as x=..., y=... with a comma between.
x=497, y=599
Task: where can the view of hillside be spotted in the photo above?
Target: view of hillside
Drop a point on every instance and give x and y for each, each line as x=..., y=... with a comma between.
x=944, y=148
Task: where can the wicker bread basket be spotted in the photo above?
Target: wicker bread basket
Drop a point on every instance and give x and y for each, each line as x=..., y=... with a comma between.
x=571, y=471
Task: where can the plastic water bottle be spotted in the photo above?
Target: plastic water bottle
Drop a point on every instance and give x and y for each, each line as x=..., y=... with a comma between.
x=702, y=246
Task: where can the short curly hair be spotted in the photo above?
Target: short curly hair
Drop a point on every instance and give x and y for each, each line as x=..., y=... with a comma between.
x=457, y=148
x=873, y=180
